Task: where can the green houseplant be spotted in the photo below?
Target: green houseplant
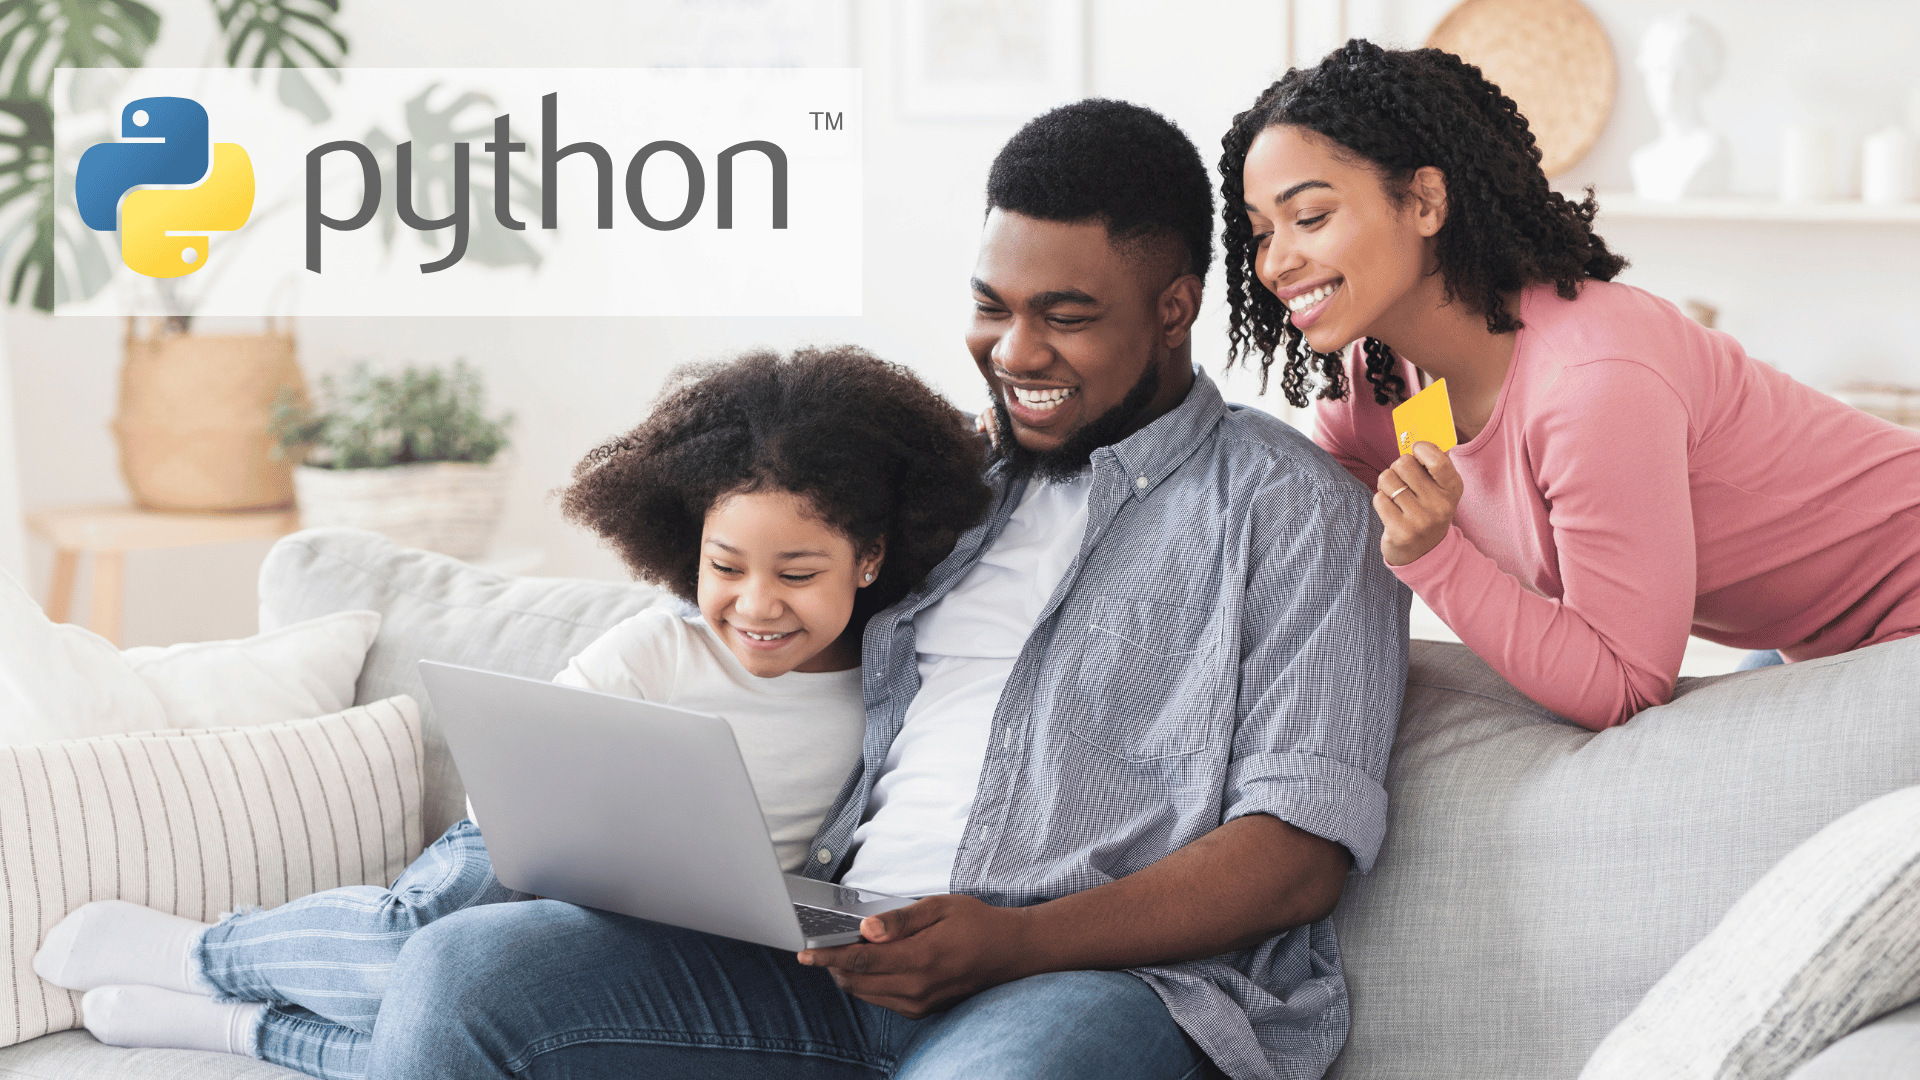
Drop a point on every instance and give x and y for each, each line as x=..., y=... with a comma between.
x=193, y=408
x=411, y=454
x=37, y=36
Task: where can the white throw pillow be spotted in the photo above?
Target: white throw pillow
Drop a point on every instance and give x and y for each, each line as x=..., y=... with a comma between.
x=62, y=682
x=197, y=823
x=306, y=669
x=1827, y=940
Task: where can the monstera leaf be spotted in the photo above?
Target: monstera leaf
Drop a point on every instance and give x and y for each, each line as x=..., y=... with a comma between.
x=289, y=35
x=40, y=35
x=26, y=195
x=37, y=36
x=433, y=132
x=281, y=33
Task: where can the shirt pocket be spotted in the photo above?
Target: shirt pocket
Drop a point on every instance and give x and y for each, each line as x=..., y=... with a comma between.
x=1150, y=681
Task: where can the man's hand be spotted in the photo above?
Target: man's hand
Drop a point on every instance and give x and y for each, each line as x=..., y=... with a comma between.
x=919, y=959
x=1416, y=500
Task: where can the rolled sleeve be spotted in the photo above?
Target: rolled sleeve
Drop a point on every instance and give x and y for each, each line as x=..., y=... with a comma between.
x=1323, y=668
x=1327, y=798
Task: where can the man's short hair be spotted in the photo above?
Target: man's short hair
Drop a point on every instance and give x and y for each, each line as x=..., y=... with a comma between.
x=1112, y=161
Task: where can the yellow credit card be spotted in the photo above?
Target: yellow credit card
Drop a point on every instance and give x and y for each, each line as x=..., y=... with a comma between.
x=1425, y=417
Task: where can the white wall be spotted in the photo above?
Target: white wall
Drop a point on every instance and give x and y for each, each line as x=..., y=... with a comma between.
x=1843, y=306
x=1827, y=303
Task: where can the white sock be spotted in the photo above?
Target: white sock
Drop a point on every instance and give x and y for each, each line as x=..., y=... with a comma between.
x=111, y=942
x=151, y=1017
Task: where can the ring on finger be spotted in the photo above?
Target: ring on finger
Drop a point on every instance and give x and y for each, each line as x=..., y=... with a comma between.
x=1399, y=493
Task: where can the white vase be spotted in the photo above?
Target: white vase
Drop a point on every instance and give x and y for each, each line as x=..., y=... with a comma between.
x=1887, y=167
x=1806, y=164
x=451, y=507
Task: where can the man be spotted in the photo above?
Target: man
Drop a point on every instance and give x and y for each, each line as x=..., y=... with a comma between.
x=1127, y=740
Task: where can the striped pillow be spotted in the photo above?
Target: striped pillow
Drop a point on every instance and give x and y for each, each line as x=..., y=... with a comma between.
x=197, y=823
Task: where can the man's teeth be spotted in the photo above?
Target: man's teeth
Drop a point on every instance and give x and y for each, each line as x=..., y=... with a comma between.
x=1042, y=400
x=1307, y=300
x=765, y=637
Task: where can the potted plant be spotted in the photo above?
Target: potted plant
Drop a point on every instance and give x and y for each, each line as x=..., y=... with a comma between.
x=412, y=455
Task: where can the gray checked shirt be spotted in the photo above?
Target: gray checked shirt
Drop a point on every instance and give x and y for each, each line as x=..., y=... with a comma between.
x=1227, y=642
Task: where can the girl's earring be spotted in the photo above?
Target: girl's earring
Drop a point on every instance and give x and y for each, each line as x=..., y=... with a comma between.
x=869, y=577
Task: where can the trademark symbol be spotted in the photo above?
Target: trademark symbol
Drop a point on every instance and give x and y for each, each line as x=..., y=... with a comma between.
x=827, y=121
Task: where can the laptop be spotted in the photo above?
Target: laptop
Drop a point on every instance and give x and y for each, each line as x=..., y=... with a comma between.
x=632, y=807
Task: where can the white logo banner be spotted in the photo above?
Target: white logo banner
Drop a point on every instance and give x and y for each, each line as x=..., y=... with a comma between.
x=459, y=191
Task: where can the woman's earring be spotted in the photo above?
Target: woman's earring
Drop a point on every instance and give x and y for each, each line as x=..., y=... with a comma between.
x=869, y=576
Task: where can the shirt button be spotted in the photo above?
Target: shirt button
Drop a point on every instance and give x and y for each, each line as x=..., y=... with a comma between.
x=1140, y=482
x=823, y=856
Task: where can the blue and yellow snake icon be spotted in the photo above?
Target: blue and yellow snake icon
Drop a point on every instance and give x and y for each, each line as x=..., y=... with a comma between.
x=172, y=150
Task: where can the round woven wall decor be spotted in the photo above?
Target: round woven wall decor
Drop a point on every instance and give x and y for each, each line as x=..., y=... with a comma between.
x=1552, y=57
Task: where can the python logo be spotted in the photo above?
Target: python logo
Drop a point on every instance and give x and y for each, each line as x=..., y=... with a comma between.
x=167, y=144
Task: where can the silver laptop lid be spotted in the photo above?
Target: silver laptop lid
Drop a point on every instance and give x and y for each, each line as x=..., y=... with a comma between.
x=614, y=803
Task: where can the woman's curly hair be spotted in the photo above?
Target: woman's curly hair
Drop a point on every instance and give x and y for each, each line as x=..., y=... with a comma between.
x=1399, y=111
x=874, y=451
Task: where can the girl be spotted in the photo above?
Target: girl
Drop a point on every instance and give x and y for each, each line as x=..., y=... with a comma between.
x=1624, y=477
x=789, y=499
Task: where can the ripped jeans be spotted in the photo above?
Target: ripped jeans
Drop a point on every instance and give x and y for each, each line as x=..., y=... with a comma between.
x=322, y=962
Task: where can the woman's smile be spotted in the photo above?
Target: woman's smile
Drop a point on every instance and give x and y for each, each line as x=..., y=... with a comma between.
x=1305, y=309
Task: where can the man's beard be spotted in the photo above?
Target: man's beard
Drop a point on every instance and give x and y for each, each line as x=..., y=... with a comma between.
x=1071, y=457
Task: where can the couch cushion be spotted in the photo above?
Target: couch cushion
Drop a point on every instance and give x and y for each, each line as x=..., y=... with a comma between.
x=1887, y=1049
x=1538, y=878
x=306, y=669
x=196, y=823
x=435, y=607
x=1828, y=939
x=74, y=1055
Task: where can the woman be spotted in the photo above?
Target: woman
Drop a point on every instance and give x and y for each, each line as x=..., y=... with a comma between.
x=1624, y=477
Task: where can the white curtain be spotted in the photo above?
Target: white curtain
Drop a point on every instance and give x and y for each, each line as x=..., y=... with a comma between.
x=13, y=542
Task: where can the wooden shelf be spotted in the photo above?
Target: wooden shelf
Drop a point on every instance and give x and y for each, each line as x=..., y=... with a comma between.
x=1621, y=204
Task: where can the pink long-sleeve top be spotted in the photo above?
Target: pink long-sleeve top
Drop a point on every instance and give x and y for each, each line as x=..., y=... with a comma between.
x=1641, y=479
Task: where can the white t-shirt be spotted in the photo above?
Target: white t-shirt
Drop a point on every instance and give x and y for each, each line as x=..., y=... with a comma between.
x=967, y=642
x=799, y=733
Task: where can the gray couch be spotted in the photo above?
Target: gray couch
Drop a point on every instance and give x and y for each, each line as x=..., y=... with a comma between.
x=1536, y=879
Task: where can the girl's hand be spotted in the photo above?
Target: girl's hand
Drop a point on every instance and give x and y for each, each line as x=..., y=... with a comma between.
x=1416, y=501
x=983, y=425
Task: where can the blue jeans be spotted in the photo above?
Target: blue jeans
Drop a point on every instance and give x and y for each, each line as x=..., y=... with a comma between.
x=323, y=962
x=550, y=991
x=547, y=990
x=1760, y=658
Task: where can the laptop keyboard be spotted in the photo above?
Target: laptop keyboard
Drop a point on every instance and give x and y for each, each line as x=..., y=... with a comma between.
x=819, y=922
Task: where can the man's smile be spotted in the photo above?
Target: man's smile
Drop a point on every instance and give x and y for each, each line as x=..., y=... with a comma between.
x=1036, y=406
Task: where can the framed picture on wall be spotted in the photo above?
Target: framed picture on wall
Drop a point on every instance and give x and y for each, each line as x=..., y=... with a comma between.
x=990, y=58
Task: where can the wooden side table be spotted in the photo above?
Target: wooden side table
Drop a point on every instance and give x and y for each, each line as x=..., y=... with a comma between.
x=108, y=532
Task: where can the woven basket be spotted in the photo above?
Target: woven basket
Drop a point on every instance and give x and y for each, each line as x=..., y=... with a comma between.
x=193, y=416
x=451, y=507
x=1552, y=57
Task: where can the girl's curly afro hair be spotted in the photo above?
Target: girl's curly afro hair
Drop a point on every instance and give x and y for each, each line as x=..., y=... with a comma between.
x=1400, y=111
x=877, y=453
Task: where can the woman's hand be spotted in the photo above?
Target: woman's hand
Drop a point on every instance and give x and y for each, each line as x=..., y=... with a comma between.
x=1416, y=501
